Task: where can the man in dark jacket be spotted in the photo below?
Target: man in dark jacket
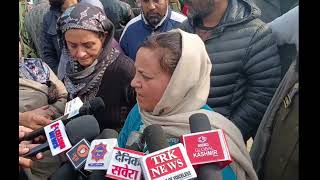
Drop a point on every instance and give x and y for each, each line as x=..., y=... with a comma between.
x=246, y=67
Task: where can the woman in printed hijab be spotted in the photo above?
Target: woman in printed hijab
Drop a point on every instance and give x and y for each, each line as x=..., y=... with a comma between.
x=94, y=68
x=172, y=82
x=40, y=90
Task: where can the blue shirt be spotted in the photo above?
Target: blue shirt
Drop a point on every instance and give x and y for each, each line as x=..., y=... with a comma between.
x=133, y=123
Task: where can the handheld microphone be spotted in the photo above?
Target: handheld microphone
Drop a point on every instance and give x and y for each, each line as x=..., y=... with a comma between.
x=66, y=171
x=135, y=141
x=155, y=138
x=101, y=150
x=164, y=162
x=124, y=164
x=81, y=127
x=94, y=106
x=205, y=146
x=105, y=134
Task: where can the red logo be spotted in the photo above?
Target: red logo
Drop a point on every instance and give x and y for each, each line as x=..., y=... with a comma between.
x=83, y=150
x=165, y=163
x=204, y=147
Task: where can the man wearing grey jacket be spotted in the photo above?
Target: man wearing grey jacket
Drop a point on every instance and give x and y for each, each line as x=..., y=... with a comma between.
x=275, y=150
x=246, y=67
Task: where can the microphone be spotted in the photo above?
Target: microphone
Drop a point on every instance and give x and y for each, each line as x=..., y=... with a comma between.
x=124, y=162
x=164, y=162
x=66, y=171
x=155, y=138
x=93, y=106
x=78, y=154
x=75, y=131
x=135, y=141
x=205, y=146
x=101, y=150
x=105, y=134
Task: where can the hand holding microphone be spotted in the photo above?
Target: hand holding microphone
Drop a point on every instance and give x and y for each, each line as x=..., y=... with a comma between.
x=33, y=120
x=94, y=106
x=81, y=127
x=25, y=147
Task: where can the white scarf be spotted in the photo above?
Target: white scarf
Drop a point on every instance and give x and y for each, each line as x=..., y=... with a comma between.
x=186, y=94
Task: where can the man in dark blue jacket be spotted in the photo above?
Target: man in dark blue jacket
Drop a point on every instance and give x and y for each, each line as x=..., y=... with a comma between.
x=156, y=16
x=245, y=63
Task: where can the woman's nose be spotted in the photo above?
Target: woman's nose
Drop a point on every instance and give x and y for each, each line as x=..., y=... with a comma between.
x=134, y=83
x=80, y=53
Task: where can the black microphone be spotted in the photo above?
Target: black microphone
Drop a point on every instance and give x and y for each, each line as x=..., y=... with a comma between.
x=71, y=171
x=105, y=134
x=199, y=122
x=164, y=161
x=135, y=141
x=82, y=127
x=66, y=171
x=155, y=138
x=95, y=106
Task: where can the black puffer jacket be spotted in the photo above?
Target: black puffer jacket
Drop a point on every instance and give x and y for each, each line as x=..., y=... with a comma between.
x=246, y=67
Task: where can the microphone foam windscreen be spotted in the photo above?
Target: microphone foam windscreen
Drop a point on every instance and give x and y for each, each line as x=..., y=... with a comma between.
x=155, y=138
x=82, y=127
x=134, y=141
x=85, y=109
x=97, y=104
x=66, y=171
x=107, y=134
x=199, y=122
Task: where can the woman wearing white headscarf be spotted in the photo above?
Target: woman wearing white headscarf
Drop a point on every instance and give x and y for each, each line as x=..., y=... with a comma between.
x=172, y=82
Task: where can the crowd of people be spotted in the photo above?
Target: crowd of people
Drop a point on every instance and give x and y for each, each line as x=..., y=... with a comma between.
x=159, y=62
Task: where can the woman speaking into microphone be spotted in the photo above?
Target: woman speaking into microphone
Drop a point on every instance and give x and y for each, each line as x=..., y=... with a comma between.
x=172, y=82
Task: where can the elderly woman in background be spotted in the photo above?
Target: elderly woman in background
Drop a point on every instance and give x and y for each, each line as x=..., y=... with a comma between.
x=39, y=89
x=172, y=83
x=94, y=68
x=42, y=96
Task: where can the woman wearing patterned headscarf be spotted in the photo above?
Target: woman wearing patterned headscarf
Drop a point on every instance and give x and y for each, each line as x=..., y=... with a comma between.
x=94, y=68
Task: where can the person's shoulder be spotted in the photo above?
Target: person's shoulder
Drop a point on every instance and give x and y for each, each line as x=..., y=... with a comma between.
x=133, y=23
x=177, y=17
x=207, y=107
x=124, y=64
x=134, y=116
x=133, y=26
x=48, y=16
x=134, y=110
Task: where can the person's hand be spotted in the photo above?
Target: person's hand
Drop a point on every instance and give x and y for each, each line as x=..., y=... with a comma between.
x=44, y=111
x=24, y=147
x=33, y=120
x=23, y=131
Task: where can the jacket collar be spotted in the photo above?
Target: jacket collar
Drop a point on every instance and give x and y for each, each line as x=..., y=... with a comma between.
x=163, y=20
